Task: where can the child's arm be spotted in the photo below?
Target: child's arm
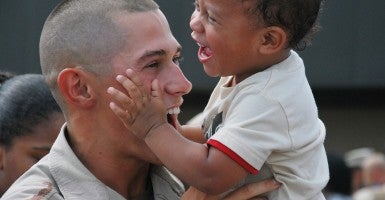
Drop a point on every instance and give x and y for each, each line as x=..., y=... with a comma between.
x=193, y=130
x=193, y=133
x=207, y=169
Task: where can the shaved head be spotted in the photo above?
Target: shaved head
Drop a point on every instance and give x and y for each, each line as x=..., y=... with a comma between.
x=84, y=33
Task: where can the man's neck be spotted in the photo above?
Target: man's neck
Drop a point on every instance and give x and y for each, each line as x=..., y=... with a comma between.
x=127, y=176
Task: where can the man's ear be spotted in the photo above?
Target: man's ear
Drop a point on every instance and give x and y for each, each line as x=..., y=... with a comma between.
x=75, y=87
x=274, y=39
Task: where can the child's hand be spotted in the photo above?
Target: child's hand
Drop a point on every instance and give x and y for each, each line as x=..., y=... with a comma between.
x=139, y=111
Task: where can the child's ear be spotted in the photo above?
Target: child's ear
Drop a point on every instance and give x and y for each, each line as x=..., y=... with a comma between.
x=75, y=86
x=274, y=39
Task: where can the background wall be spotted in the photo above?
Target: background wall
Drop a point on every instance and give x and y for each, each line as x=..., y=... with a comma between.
x=345, y=65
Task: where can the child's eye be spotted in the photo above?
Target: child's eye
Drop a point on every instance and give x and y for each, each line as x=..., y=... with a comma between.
x=196, y=5
x=177, y=59
x=210, y=19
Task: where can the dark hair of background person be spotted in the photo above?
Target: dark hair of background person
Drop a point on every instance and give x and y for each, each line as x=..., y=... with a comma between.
x=25, y=101
x=5, y=76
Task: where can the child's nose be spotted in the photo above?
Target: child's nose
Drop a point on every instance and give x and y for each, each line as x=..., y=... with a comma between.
x=195, y=23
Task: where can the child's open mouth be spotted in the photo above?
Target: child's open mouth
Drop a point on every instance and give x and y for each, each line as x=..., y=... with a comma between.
x=204, y=53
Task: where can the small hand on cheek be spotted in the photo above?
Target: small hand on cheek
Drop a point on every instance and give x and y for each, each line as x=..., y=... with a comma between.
x=139, y=111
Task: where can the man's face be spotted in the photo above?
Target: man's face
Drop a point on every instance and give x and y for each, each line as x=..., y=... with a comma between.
x=153, y=52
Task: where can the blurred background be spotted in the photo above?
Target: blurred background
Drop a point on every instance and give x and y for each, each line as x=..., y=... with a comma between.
x=345, y=65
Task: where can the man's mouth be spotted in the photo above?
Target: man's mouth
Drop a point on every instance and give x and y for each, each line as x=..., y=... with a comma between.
x=172, y=115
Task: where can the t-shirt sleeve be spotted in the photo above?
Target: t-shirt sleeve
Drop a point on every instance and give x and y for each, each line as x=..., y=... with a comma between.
x=254, y=127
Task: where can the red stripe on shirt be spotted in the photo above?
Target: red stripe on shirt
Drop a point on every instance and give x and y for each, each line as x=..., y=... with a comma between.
x=232, y=155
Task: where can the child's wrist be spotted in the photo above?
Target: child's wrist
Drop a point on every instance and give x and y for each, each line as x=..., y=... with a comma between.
x=158, y=129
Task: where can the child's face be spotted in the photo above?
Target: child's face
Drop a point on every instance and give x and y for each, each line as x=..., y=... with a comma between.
x=227, y=37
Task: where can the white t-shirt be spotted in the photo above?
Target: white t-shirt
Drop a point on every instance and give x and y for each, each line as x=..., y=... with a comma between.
x=271, y=118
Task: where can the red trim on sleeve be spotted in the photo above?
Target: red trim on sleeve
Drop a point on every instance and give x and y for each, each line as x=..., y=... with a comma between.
x=221, y=147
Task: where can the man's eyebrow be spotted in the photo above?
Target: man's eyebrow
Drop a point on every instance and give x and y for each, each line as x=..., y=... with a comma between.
x=149, y=54
x=160, y=52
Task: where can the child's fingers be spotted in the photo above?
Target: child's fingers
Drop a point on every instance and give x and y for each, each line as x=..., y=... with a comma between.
x=127, y=108
x=132, y=89
x=123, y=115
x=155, y=89
x=137, y=81
x=123, y=100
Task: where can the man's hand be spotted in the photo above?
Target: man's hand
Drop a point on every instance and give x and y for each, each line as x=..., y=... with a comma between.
x=139, y=110
x=250, y=191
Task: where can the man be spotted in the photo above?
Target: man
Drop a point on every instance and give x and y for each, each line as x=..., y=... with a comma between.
x=84, y=45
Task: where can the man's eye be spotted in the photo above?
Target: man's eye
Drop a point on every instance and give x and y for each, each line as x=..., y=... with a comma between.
x=153, y=65
x=177, y=60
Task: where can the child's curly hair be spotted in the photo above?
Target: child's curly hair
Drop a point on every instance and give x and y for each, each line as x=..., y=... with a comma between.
x=297, y=17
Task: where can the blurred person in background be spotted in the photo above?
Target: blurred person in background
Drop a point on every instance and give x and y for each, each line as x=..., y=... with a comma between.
x=354, y=159
x=373, y=174
x=30, y=120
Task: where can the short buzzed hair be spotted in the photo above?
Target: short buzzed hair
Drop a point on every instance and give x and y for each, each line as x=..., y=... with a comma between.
x=82, y=33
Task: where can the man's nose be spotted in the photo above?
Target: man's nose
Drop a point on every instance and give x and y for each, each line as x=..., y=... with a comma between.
x=178, y=84
x=195, y=23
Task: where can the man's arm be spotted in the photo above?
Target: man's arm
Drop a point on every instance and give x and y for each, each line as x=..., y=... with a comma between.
x=254, y=191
